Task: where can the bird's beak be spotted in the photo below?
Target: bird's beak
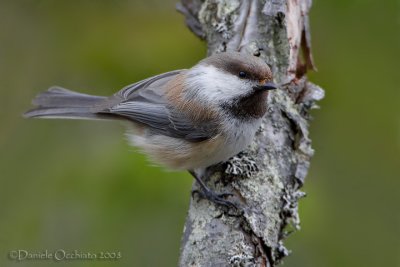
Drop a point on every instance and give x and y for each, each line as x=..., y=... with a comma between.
x=265, y=86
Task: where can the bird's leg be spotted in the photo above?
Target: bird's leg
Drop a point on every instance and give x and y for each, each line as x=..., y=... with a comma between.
x=205, y=192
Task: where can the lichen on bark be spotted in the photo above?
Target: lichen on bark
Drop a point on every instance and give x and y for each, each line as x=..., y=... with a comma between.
x=264, y=180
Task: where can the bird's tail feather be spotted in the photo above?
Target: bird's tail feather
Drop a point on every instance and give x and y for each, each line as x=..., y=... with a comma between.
x=58, y=102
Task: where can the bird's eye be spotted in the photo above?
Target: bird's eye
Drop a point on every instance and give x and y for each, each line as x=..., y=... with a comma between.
x=242, y=74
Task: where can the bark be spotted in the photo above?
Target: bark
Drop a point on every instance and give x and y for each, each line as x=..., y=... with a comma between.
x=264, y=180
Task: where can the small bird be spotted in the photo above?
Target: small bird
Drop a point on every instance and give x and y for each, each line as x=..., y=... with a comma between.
x=186, y=119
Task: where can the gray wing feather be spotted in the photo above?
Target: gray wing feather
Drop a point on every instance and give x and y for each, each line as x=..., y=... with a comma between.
x=153, y=82
x=145, y=102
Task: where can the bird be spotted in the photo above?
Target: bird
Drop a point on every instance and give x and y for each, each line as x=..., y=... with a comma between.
x=188, y=119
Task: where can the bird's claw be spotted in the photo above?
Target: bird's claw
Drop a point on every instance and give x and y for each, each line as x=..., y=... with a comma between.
x=218, y=199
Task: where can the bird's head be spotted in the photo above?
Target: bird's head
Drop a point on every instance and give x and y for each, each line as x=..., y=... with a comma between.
x=231, y=81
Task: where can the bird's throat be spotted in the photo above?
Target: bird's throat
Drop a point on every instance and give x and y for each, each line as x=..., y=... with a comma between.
x=253, y=105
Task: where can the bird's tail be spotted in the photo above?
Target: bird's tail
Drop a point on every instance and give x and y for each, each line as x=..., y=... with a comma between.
x=58, y=102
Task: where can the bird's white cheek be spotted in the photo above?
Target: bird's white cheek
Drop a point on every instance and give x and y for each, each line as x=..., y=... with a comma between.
x=214, y=85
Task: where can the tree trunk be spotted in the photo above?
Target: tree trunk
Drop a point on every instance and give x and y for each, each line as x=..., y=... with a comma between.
x=265, y=180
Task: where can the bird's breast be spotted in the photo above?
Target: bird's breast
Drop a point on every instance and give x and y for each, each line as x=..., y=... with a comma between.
x=240, y=134
x=174, y=153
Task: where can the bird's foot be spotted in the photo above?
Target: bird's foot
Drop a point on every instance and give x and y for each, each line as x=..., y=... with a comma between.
x=216, y=198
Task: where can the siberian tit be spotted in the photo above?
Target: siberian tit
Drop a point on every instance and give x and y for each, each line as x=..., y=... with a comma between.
x=186, y=119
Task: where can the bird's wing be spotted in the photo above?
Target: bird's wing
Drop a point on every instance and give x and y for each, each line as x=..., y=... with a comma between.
x=144, y=102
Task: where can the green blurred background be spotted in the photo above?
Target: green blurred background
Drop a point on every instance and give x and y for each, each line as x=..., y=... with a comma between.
x=77, y=184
